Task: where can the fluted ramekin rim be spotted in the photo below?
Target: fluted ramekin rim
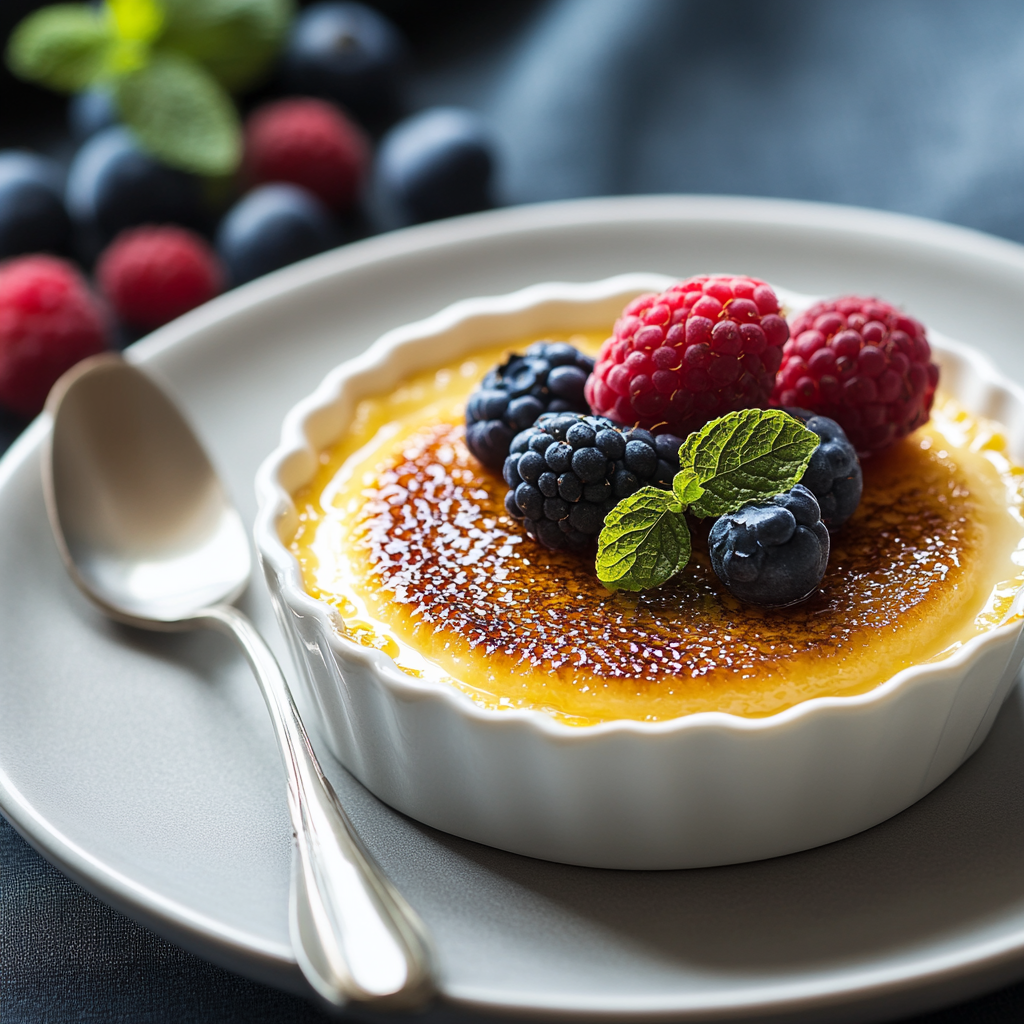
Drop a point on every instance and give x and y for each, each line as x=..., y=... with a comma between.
x=275, y=501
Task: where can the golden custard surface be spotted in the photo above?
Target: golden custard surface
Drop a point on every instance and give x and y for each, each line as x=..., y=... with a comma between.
x=405, y=534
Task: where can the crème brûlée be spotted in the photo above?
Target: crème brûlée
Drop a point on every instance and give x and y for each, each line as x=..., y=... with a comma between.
x=405, y=534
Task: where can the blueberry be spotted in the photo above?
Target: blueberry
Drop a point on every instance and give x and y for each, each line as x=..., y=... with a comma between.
x=772, y=554
x=834, y=473
x=112, y=184
x=801, y=503
x=348, y=53
x=438, y=163
x=90, y=112
x=272, y=226
x=770, y=524
x=32, y=214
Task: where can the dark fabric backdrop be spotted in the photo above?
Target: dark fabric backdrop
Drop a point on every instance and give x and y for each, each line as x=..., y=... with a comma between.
x=909, y=105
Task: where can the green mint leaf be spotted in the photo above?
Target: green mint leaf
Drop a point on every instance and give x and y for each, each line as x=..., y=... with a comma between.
x=235, y=40
x=181, y=115
x=136, y=20
x=686, y=487
x=645, y=541
x=745, y=456
x=65, y=46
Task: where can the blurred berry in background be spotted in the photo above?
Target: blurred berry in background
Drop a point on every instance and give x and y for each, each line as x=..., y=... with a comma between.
x=438, y=163
x=91, y=111
x=348, y=53
x=49, y=320
x=168, y=184
x=114, y=184
x=272, y=226
x=152, y=274
x=32, y=214
x=307, y=142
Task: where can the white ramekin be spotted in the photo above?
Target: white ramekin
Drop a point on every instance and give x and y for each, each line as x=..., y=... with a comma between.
x=696, y=791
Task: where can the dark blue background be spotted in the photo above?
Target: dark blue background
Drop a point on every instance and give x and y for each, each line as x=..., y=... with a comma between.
x=909, y=105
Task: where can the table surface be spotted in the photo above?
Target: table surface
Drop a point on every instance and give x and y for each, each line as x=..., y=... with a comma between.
x=908, y=105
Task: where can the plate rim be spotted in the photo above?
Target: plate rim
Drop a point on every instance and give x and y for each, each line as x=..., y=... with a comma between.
x=272, y=962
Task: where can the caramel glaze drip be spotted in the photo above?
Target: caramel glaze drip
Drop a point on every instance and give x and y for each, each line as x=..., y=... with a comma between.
x=469, y=588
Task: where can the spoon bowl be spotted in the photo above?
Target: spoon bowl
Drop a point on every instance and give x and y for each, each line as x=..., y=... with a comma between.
x=149, y=534
x=146, y=524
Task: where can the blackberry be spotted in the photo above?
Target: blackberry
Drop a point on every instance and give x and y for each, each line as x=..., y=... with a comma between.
x=568, y=471
x=772, y=554
x=834, y=474
x=549, y=378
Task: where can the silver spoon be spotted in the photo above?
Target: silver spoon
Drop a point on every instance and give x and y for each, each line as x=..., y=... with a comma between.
x=148, y=533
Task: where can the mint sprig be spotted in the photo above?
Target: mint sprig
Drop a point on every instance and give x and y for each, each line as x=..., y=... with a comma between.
x=181, y=115
x=746, y=456
x=743, y=457
x=168, y=63
x=67, y=47
x=686, y=487
x=236, y=41
x=644, y=537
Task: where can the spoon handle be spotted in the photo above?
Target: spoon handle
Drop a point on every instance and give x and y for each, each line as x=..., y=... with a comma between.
x=354, y=935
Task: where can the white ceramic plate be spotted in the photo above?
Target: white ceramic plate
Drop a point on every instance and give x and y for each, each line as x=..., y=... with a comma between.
x=144, y=765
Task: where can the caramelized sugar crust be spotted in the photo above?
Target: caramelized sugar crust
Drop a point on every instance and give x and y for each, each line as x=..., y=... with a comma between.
x=441, y=554
x=406, y=536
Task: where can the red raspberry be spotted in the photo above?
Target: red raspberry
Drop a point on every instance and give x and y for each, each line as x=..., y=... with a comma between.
x=49, y=320
x=705, y=347
x=862, y=363
x=307, y=142
x=152, y=274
